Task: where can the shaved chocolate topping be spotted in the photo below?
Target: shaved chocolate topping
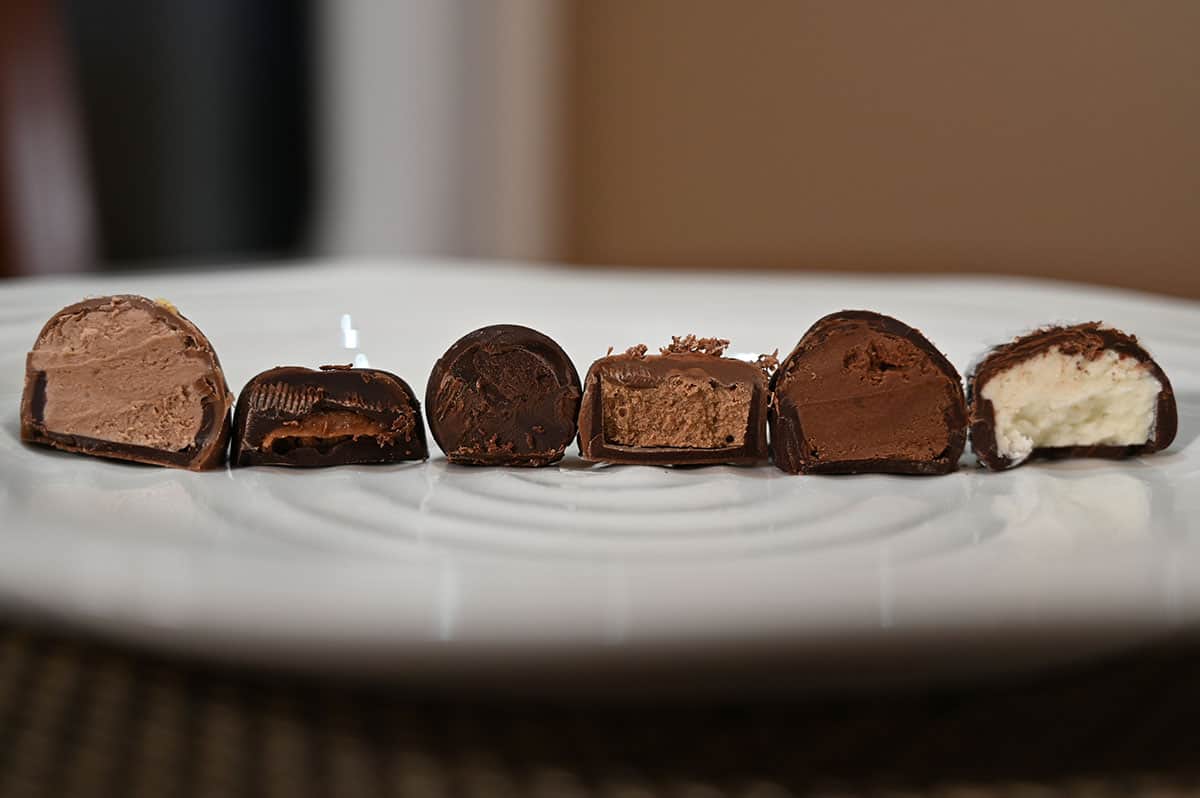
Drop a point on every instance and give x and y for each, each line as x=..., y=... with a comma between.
x=862, y=393
x=127, y=378
x=503, y=395
x=1085, y=390
x=338, y=415
x=691, y=345
x=768, y=363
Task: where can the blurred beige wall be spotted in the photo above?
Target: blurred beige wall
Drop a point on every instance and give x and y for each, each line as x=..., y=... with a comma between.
x=1046, y=137
x=440, y=127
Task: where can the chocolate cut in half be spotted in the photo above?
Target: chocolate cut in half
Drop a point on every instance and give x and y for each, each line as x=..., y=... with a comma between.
x=687, y=405
x=866, y=393
x=335, y=415
x=503, y=395
x=1085, y=390
x=127, y=378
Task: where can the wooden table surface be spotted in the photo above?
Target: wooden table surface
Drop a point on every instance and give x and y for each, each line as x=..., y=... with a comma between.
x=84, y=719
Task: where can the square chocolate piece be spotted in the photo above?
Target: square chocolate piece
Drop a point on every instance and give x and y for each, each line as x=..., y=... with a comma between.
x=335, y=415
x=688, y=405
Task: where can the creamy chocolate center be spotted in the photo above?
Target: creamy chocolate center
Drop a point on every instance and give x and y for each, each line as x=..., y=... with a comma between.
x=684, y=412
x=864, y=395
x=123, y=375
x=1060, y=399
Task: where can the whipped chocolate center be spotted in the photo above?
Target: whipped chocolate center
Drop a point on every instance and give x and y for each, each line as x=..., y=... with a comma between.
x=681, y=411
x=123, y=375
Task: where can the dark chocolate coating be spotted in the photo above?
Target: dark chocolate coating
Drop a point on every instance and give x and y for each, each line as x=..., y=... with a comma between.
x=632, y=369
x=282, y=398
x=791, y=447
x=212, y=440
x=1090, y=339
x=503, y=395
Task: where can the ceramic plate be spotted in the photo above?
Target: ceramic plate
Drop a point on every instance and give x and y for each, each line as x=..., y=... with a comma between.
x=579, y=575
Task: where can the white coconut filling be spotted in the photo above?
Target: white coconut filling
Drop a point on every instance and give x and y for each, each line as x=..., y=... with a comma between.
x=1056, y=399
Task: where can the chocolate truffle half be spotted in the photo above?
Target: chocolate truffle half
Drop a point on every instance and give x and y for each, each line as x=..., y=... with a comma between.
x=503, y=395
x=865, y=393
x=687, y=405
x=338, y=415
x=1082, y=391
x=127, y=378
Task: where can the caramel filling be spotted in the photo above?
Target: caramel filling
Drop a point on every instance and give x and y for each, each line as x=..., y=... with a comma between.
x=323, y=431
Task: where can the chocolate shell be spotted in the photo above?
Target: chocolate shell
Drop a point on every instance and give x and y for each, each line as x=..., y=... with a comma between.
x=688, y=405
x=865, y=393
x=127, y=378
x=1088, y=344
x=338, y=415
x=503, y=395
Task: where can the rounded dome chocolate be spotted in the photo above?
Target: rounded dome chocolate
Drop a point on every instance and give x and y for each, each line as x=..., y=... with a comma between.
x=503, y=395
x=128, y=378
x=866, y=393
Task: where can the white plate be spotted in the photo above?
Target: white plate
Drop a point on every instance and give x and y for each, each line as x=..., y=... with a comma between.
x=576, y=575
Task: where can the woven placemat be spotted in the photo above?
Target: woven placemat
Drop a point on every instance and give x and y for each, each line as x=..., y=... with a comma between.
x=85, y=719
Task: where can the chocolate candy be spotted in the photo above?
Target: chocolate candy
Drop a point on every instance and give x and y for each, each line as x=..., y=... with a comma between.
x=1081, y=391
x=503, y=395
x=127, y=378
x=687, y=405
x=865, y=393
x=294, y=416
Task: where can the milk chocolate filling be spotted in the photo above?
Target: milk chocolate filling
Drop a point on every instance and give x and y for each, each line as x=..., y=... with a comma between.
x=687, y=405
x=681, y=411
x=121, y=375
x=126, y=377
x=863, y=392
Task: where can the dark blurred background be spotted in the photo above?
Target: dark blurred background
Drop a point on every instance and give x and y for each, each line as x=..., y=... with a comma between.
x=1059, y=139
x=196, y=118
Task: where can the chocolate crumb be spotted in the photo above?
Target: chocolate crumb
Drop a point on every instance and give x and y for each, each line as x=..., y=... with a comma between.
x=768, y=363
x=636, y=351
x=691, y=345
x=493, y=445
